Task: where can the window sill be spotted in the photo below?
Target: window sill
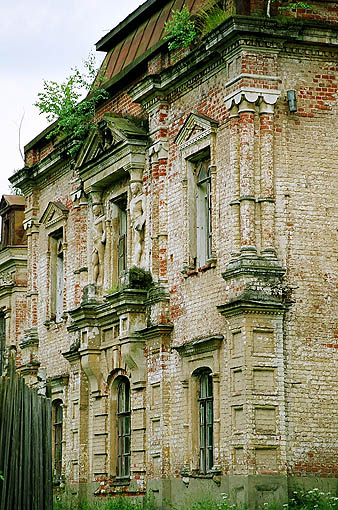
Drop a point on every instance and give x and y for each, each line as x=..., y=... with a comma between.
x=119, y=482
x=189, y=271
x=52, y=321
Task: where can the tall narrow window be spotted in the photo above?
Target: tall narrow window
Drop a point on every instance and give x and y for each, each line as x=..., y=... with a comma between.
x=2, y=342
x=56, y=275
x=123, y=428
x=206, y=422
x=59, y=281
x=122, y=250
x=203, y=212
x=57, y=425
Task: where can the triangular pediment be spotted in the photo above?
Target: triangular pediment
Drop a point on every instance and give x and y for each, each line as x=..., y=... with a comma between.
x=195, y=128
x=54, y=212
x=108, y=134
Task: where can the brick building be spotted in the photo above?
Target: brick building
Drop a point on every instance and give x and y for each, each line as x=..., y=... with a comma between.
x=182, y=268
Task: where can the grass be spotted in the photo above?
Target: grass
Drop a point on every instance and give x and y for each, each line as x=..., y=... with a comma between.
x=300, y=499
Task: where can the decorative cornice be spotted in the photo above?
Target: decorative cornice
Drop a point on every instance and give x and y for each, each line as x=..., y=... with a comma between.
x=58, y=380
x=157, y=331
x=31, y=223
x=199, y=346
x=253, y=266
x=245, y=307
x=31, y=338
x=30, y=369
x=71, y=356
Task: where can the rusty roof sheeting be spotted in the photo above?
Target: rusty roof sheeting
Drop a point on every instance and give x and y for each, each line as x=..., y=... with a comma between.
x=144, y=33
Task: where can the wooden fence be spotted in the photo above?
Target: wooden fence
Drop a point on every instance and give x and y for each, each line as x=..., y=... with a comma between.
x=25, y=446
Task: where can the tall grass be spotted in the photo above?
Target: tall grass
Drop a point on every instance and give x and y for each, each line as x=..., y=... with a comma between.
x=300, y=499
x=210, y=16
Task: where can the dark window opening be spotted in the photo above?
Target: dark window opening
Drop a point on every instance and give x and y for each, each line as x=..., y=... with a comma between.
x=2, y=342
x=206, y=422
x=123, y=429
x=57, y=425
x=121, y=204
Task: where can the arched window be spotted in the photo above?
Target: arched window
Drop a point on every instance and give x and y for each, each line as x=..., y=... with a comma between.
x=123, y=429
x=206, y=421
x=57, y=437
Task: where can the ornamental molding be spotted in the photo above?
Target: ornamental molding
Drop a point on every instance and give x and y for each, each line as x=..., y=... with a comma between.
x=111, y=133
x=29, y=223
x=53, y=214
x=199, y=346
x=242, y=307
x=159, y=151
x=246, y=98
x=6, y=278
x=195, y=128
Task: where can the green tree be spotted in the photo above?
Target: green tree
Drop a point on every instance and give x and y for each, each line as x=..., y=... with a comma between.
x=61, y=102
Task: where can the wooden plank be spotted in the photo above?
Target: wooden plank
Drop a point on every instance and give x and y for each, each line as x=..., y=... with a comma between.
x=25, y=446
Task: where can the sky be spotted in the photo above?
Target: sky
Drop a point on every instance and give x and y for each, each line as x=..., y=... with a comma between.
x=43, y=42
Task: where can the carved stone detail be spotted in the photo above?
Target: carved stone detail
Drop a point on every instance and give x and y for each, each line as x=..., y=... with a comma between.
x=246, y=98
x=137, y=218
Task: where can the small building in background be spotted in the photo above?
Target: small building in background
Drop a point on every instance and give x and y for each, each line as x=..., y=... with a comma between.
x=13, y=275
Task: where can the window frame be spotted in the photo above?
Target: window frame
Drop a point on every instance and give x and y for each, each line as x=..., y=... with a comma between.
x=120, y=237
x=57, y=439
x=123, y=435
x=57, y=292
x=197, y=140
x=206, y=456
x=2, y=341
x=203, y=206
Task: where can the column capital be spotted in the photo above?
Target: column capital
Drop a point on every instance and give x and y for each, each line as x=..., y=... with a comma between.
x=246, y=99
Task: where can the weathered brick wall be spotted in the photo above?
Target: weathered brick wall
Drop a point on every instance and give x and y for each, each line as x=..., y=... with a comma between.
x=291, y=427
x=305, y=144
x=53, y=337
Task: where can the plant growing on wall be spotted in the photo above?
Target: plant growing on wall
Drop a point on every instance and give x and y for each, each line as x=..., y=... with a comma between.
x=61, y=102
x=210, y=16
x=295, y=5
x=180, y=30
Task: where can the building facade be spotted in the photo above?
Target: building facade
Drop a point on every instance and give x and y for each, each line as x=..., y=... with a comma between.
x=181, y=299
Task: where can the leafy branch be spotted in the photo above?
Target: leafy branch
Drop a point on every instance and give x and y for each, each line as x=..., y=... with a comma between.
x=180, y=30
x=61, y=102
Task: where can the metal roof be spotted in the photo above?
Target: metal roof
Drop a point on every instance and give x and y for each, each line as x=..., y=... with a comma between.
x=138, y=33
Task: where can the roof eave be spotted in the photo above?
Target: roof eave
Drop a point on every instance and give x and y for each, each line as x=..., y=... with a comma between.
x=123, y=28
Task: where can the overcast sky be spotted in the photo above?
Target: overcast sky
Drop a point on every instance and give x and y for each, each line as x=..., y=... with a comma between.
x=43, y=39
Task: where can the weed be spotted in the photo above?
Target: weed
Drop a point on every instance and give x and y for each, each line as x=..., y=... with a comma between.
x=180, y=30
x=212, y=15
